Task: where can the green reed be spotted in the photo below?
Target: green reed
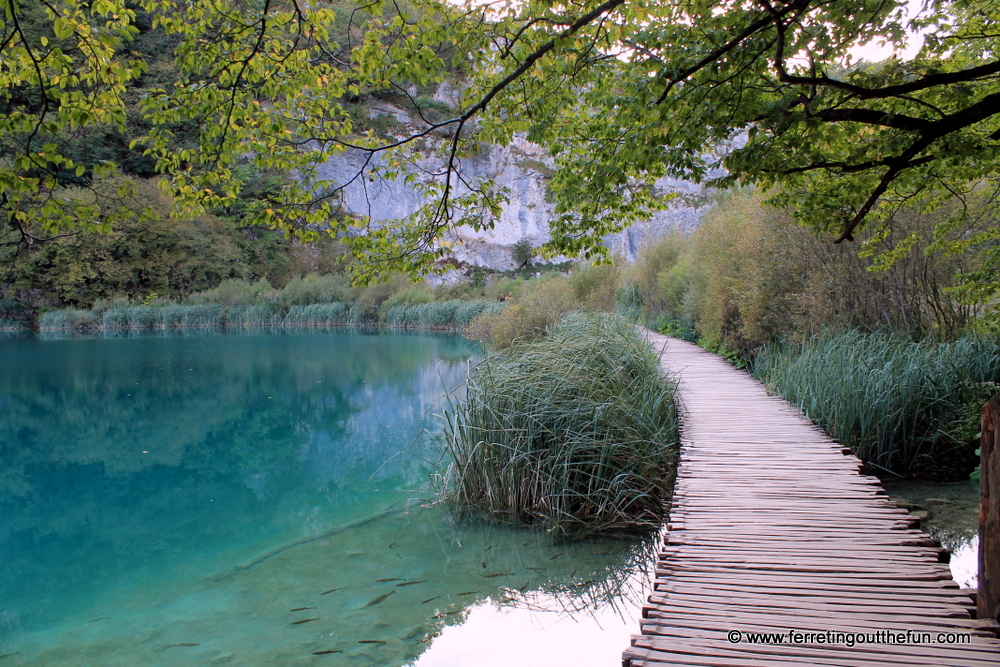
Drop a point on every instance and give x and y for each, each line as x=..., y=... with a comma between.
x=576, y=432
x=455, y=314
x=319, y=314
x=893, y=401
x=69, y=318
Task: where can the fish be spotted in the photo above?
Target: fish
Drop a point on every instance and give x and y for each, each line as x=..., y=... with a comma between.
x=497, y=574
x=185, y=644
x=489, y=547
x=305, y=620
x=410, y=583
x=7, y=655
x=467, y=593
x=332, y=590
x=382, y=581
x=379, y=599
x=554, y=557
x=301, y=608
x=437, y=597
x=536, y=569
x=95, y=620
x=325, y=652
x=392, y=545
x=370, y=641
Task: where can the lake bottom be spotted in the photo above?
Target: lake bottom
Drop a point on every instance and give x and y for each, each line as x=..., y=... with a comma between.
x=405, y=588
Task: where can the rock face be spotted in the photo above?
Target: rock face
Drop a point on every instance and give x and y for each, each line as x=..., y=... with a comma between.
x=524, y=169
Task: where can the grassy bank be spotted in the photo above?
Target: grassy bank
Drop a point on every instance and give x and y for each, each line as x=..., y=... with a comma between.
x=436, y=315
x=903, y=406
x=575, y=432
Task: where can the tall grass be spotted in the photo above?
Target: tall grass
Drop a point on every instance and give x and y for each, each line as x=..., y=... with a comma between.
x=893, y=401
x=69, y=318
x=452, y=315
x=321, y=314
x=440, y=314
x=575, y=432
x=7, y=324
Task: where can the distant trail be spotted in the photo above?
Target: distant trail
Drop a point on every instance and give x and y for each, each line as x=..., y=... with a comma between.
x=773, y=529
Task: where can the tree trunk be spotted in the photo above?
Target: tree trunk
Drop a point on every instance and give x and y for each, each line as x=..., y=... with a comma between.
x=988, y=598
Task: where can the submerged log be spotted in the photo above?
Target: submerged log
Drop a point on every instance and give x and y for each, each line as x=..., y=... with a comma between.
x=988, y=599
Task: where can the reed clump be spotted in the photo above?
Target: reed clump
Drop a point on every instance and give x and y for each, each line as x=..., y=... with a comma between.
x=895, y=402
x=576, y=432
x=69, y=318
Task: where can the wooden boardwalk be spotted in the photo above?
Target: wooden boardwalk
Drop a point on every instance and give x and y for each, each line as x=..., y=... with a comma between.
x=773, y=529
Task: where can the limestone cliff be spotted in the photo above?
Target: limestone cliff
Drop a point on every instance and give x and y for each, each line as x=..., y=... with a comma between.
x=523, y=169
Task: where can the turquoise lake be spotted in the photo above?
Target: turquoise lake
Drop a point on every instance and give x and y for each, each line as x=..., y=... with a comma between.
x=269, y=499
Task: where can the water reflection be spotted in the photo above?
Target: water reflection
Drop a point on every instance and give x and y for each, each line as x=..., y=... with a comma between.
x=154, y=450
x=261, y=499
x=584, y=622
x=950, y=514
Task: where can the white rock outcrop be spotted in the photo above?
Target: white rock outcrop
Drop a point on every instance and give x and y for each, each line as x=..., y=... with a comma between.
x=523, y=169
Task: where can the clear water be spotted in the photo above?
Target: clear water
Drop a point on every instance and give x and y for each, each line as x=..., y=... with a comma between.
x=266, y=499
x=952, y=510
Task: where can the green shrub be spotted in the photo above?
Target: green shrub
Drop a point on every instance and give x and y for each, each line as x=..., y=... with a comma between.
x=233, y=292
x=576, y=432
x=719, y=347
x=668, y=326
x=416, y=295
x=373, y=296
x=540, y=305
x=653, y=260
x=594, y=287
x=313, y=288
x=508, y=288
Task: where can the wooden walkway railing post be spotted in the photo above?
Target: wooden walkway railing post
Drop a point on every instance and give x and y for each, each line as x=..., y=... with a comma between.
x=988, y=598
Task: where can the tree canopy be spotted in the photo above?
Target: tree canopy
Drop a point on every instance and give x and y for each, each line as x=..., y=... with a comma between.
x=621, y=92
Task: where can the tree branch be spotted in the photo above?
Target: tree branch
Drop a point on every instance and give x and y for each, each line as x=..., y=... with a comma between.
x=873, y=117
x=929, y=81
x=716, y=54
